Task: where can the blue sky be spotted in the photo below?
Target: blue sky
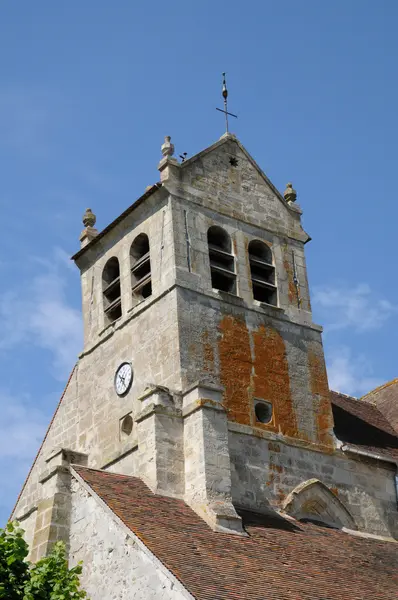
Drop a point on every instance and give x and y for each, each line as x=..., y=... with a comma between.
x=87, y=93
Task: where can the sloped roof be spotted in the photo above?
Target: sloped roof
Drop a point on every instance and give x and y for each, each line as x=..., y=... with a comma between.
x=279, y=560
x=385, y=398
x=363, y=425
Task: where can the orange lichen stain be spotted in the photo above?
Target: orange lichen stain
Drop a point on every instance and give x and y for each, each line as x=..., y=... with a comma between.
x=271, y=479
x=275, y=474
x=322, y=405
x=294, y=295
x=235, y=368
x=207, y=402
x=208, y=353
x=235, y=246
x=249, y=273
x=274, y=447
x=292, y=292
x=334, y=490
x=276, y=468
x=308, y=300
x=192, y=350
x=271, y=378
x=280, y=495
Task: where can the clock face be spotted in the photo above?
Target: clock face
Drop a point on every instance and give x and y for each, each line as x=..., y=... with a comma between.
x=123, y=378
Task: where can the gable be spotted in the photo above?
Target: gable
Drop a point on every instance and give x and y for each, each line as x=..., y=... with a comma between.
x=225, y=178
x=112, y=554
x=313, y=501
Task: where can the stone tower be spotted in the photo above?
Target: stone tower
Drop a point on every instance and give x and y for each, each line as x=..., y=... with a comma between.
x=200, y=355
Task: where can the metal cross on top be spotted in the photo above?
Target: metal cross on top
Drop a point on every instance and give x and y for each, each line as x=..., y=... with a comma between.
x=225, y=96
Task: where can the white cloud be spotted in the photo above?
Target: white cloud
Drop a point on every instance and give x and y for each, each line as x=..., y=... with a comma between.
x=39, y=313
x=342, y=307
x=353, y=376
x=22, y=428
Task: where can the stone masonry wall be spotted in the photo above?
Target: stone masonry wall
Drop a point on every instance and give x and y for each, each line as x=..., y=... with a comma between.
x=256, y=355
x=239, y=191
x=265, y=471
x=88, y=419
x=152, y=218
x=190, y=227
x=114, y=565
x=28, y=524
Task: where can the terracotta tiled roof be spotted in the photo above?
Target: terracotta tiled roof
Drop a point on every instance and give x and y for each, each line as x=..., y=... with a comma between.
x=385, y=398
x=279, y=560
x=362, y=425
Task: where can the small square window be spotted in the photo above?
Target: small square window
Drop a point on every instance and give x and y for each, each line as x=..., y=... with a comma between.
x=126, y=426
x=263, y=411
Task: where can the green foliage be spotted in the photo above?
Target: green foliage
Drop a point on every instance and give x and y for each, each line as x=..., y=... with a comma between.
x=49, y=579
x=14, y=570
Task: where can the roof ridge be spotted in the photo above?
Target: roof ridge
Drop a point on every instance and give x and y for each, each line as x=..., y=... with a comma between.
x=362, y=400
x=343, y=394
x=379, y=388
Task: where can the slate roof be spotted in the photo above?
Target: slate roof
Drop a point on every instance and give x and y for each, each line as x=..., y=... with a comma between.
x=279, y=560
x=361, y=424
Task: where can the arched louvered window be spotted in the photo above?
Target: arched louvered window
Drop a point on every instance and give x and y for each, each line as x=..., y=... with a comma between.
x=222, y=261
x=111, y=290
x=141, y=284
x=262, y=272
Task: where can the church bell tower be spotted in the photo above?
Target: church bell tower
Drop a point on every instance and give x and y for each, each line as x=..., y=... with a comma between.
x=198, y=330
x=200, y=361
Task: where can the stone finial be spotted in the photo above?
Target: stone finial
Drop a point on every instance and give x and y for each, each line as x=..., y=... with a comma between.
x=290, y=194
x=89, y=218
x=89, y=232
x=167, y=147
